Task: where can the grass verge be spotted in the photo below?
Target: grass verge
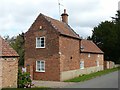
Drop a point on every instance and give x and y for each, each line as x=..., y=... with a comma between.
x=92, y=75
x=38, y=88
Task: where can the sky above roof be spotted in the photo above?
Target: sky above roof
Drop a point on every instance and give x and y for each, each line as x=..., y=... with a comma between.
x=17, y=16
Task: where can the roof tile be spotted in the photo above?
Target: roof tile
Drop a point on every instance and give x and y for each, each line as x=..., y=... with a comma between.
x=90, y=47
x=6, y=50
x=62, y=27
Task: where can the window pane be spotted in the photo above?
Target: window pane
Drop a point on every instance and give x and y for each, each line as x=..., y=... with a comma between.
x=38, y=42
x=42, y=69
x=42, y=38
x=38, y=65
x=38, y=62
x=42, y=42
x=82, y=64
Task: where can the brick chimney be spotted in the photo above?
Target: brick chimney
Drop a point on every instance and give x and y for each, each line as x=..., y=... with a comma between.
x=65, y=17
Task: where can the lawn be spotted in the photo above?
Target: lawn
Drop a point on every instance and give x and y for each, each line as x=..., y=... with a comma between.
x=92, y=75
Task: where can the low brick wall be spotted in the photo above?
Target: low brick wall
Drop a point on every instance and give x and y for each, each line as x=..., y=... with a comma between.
x=109, y=64
x=75, y=73
x=8, y=72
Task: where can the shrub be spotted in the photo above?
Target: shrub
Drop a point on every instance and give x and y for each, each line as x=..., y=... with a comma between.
x=24, y=79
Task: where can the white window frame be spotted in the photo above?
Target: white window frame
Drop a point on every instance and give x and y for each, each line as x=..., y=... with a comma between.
x=40, y=42
x=81, y=64
x=97, y=63
x=40, y=66
x=88, y=54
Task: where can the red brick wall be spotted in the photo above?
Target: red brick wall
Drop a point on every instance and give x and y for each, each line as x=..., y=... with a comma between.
x=49, y=54
x=69, y=51
x=91, y=61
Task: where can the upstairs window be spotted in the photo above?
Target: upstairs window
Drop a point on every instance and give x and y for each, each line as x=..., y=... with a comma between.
x=40, y=42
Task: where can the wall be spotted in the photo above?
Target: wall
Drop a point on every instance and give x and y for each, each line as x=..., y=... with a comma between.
x=69, y=53
x=66, y=75
x=90, y=66
x=50, y=54
x=9, y=68
x=109, y=64
x=91, y=61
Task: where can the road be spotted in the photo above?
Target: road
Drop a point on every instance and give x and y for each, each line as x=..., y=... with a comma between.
x=105, y=81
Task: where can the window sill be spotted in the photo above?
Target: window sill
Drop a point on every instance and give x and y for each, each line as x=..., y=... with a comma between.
x=40, y=47
x=81, y=68
x=40, y=71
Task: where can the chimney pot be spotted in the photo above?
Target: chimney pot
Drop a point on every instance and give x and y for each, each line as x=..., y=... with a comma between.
x=64, y=11
x=65, y=17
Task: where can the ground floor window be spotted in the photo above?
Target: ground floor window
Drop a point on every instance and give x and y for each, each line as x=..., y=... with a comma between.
x=97, y=63
x=81, y=64
x=40, y=66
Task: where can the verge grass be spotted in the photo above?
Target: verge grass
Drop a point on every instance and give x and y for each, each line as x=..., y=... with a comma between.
x=92, y=75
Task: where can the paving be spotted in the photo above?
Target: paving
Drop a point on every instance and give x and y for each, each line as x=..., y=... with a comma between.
x=52, y=84
x=105, y=81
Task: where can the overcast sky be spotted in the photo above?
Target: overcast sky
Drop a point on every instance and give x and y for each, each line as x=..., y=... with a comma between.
x=16, y=16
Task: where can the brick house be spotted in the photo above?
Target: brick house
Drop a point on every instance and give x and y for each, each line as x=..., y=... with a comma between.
x=91, y=56
x=8, y=65
x=52, y=49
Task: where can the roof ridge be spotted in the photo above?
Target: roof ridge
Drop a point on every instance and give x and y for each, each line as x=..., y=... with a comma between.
x=51, y=20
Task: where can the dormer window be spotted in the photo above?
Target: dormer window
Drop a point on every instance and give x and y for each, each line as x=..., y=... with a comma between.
x=40, y=42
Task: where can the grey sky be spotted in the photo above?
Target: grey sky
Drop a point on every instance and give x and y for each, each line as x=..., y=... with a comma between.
x=17, y=16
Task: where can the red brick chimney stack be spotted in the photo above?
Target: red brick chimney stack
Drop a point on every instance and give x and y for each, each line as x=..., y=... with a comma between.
x=65, y=17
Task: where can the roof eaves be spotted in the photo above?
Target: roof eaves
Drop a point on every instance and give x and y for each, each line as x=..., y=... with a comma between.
x=92, y=52
x=9, y=56
x=69, y=36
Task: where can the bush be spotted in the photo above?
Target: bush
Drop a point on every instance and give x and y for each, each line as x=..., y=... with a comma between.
x=24, y=79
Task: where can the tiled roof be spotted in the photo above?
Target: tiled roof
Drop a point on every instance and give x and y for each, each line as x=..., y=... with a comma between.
x=62, y=27
x=89, y=47
x=6, y=50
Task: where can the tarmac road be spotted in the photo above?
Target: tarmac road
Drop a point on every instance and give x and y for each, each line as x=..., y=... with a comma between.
x=105, y=81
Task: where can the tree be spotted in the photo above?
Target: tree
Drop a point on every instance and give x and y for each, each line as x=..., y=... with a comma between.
x=107, y=35
x=18, y=45
x=117, y=23
x=116, y=19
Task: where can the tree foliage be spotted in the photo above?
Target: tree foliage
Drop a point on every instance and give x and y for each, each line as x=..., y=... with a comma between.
x=18, y=45
x=107, y=35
